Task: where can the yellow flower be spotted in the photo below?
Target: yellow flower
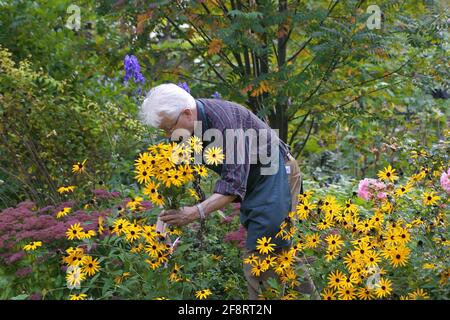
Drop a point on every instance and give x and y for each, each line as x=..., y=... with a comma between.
x=383, y=288
x=32, y=245
x=377, y=219
x=429, y=266
x=87, y=235
x=328, y=294
x=100, y=225
x=214, y=156
x=258, y=268
x=151, y=189
x=351, y=280
x=304, y=208
x=149, y=233
x=193, y=194
x=133, y=233
x=365, y=225
x=430, y=199
x=203, y=294
x=270, y=261
x=251, y=259
x=285, y=258
x=176, y=178
x=158, y=199
x=336, y=280
x=350, y=207
x=398, y=256
x=365, y=294
x=331, y=254
x=186, y=172
x=154, y=248
x=264, y=246
x=63, y=212
x=346, y=293
x=352, y=261
x=143, y=175
x=419, y=294
x=78, y=296
x=196, y=144
x=74, y=276
x=120, y=226
x=372, y=259
x=403, y=189
x=312, y=240
x=79, y=167
x=201, y=170
x=334, y=241
x=90, y=266
x=154, y=263
x=74, y=231
x=119, y=279
x=75, y=256
x=134, y=203
x=66, y=189
x=144, y=161
x=388, y=174
x=305, y=196
x=175, y=274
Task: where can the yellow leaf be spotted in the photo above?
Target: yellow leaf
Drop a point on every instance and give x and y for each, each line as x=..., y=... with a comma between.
x=215, y=46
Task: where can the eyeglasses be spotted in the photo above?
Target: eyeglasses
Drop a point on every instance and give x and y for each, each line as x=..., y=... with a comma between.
x=169, y=131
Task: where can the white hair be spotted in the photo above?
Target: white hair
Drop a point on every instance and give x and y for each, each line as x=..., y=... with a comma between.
x=166, y=99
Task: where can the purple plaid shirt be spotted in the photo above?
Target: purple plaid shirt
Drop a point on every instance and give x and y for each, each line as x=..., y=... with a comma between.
x=222, y=115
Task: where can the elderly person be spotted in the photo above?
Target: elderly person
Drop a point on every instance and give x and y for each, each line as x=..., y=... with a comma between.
x=265, y=199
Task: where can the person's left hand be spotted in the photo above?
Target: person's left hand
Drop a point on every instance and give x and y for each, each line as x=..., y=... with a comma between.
x=180, y=217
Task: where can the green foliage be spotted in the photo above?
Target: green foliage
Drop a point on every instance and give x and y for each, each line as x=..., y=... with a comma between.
x=46, y=126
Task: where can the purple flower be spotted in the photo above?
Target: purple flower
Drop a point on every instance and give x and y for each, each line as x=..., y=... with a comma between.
x=216, y=95
x=103, y=194
x=147, y=205
x=35, y=296
x=15, y=257
x=185, y=86
x=132, y=70
x=23, y=272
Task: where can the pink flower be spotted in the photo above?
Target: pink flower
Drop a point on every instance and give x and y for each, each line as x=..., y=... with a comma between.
x=445, y=181
x=238, y=236
x=369, y=188
x=363, y=189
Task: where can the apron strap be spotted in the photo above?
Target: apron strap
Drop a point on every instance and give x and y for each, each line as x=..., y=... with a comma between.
x=201, y=111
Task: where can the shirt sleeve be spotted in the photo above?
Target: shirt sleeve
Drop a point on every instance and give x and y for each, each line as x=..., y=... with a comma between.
x=234, y=176
x=233, y=180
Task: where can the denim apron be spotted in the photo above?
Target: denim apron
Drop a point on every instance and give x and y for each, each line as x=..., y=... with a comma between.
x=267, y=200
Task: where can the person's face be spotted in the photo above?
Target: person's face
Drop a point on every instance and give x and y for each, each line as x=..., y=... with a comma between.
x=185, y=120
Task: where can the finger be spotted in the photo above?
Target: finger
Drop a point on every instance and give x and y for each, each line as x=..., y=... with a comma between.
x=169, y=219
x=168, y=212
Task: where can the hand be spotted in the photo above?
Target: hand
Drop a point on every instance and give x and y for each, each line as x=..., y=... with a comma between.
x=180, y=217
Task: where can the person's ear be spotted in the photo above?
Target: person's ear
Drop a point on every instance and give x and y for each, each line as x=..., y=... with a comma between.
x=188, y=112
